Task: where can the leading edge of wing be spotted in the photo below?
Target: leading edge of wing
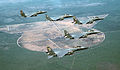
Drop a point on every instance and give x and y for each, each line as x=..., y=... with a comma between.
x=61, y=52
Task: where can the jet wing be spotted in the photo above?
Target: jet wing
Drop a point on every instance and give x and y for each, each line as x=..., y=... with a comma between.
x=61, y=52
x=77, y=35
x=50, y=57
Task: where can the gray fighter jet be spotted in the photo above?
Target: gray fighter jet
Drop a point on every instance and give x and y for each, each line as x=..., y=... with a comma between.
x=76, y=21
x=62, y=52
x=90, y=32
x=94, y=19
x=22, y=13
x=33, y=15
x=79, y=35
x=67, y=35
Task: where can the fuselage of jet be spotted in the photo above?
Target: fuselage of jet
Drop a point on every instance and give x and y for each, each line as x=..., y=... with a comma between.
x=63, y=52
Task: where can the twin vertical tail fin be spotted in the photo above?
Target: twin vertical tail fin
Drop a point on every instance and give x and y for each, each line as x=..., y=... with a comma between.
x=67, y=35
x=48, y=18
x=22, y=13
x=76, y=21
x=50, y=51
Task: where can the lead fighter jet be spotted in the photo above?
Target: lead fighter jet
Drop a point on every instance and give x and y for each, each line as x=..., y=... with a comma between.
x=62, y=52
x=33, y=15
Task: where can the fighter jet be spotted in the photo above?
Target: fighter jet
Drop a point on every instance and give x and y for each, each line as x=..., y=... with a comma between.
x=79, y=35
x=67, y=35
x=37, y=13
x=76, y=21
x=62, y=52
x=22, y=13
x=94, y=19
x=33, y=15
x=90, y=32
